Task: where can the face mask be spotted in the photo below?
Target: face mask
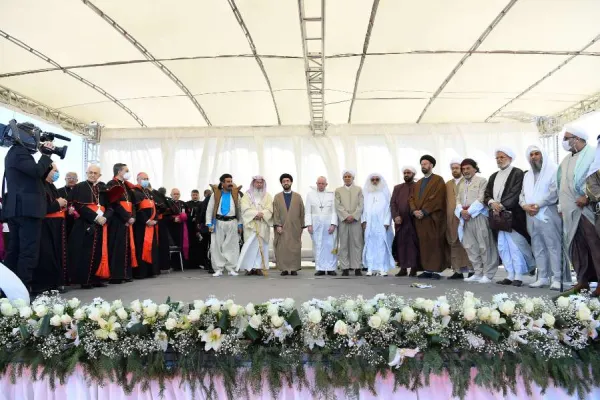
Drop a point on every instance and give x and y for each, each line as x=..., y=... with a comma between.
x=145, y=183
x=566, y=145
x=55, y=176
x=127, y=176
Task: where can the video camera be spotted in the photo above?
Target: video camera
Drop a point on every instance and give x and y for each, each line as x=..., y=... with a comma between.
x=31, y=137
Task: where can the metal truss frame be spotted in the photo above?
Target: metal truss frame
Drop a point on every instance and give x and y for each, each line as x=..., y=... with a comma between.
x=552, y=124
x=149, y=57
x=314, y=66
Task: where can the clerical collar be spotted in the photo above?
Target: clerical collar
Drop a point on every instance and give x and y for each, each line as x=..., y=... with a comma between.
x=287, y=192
x=456, y=180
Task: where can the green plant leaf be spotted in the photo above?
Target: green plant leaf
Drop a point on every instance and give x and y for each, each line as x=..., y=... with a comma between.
x=224, y=320
x=45, y=326
x=294, y=319
x=489, y=332
x=252, y=333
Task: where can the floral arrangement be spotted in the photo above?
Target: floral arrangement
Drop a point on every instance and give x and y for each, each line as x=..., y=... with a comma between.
x=348, y=340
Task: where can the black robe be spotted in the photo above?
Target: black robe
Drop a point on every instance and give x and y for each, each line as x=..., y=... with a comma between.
x=196, y=248
x=406, y=242
x=163, y=209
x=176, y=232
x=70, y=219
x=510, y=200
x=150, y=267
x=205, y=260
x=120, y=234
x=87, y=237
x=51, y=271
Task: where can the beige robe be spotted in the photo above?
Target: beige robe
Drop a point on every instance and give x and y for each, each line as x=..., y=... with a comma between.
x=455, y=252
x=255, y=252
x=288, y=244
x=349, y=201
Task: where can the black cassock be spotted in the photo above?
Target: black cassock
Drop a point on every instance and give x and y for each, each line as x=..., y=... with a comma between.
x=121, y=245
x=51, y=271
x=176, y=230
x=146, y=237
x=88, y=254
x=64, y=192
x=164, y=211
x=193, y=212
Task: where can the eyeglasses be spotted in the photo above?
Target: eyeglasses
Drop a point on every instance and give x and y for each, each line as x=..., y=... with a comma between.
x=71, y=179
x=569, y=138
x=374, y=179
x=501, y=158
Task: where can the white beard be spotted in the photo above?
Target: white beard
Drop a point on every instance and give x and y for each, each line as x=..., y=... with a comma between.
x=373, y=188
x=259, y=194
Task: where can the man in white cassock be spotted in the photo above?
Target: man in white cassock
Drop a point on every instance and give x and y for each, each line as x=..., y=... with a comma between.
x=257, y=215
x=376, y=221
x=502, y=194
x=321, y=220
x=539, y=199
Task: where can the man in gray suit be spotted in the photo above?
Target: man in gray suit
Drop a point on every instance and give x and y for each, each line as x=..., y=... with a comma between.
x=349, y=207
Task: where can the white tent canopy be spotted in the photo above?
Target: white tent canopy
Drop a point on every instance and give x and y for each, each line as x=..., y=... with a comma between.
x=140, y=63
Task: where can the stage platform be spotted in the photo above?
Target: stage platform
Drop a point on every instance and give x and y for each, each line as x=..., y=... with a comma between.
x=198, y=284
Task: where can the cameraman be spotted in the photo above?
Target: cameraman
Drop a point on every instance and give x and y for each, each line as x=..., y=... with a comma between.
x=25, y=207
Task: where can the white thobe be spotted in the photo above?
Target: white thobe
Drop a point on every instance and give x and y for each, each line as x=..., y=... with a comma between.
x=225, y=239
x=12, y=286
x=377, y=253
x=255, y=252
x=320, y=214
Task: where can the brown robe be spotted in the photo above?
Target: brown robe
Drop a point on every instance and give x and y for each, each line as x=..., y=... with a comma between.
x=454, y=251
x=288, y=244
x=407, y=241
x=431, y=230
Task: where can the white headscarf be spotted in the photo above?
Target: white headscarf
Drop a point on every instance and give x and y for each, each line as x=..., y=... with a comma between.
x=596, y=163
x=508, y=151
x=455, y=161
x=250, y=191
x=536, y=191
x=349, y=171
x=382, y=187
x=410, y=168
x=575, y=130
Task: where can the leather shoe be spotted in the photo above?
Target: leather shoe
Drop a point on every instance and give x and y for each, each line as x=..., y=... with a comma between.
x=331, y=273
x=402, y=272
x=346, y=272
x=517, y=283
x=284, y=273
x=425, y=275
x=413, y=272
x=357, y=272
x=294, y=273
x=456, y=275
x=504, y=282
x=319, y=273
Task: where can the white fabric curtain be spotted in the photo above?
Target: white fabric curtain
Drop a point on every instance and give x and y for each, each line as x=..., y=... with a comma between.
x=192, y=158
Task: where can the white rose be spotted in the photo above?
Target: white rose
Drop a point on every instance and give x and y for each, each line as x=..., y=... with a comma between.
x=468, y=294
x=150, y=310
x=215, y=308
x=170, y=324
x=428, y=305
x=79, y=314
x=375, y=321
x=255, y=321
x=408, y=314
x=277, y=321
x=495, y=317
x=233, y=310
x=528, y=307
x=198, y=304
x=250, y=310
x=444, y=309
x=229, y=303
x=194, y=315
x=314, y=316
x=326, y=306
x=468, y=302
x=105, y=309
x=594, y=304
x=352, y=316
x=442, y=299
x=549, y=319
x=419, y=301
x=19, y=303
x=55, y=320
x=349, y=305
x=94, y=314
x=40, y=310
x=66, y=319
x=25, y=312
x=121, y=313
x=7, y=309
x=469, y=314
x=340, y=328
x=584, y=313
x=117, y=304
x=58, y=309
x=74, y=303
x=368, y=309
x=272, y=310
x=288, y=303
x=563, y=302
x=163, y=309
x=508, y=307
x=136, y=306
x=384, y=314
x=483, y=313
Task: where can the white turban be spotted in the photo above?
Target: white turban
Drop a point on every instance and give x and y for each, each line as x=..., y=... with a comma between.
x=506, y=150
x=349, y=171
x=455, y=161
x=576, y=130
x=408, y=167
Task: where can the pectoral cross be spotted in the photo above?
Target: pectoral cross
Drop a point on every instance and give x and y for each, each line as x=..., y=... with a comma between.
x=321, y=207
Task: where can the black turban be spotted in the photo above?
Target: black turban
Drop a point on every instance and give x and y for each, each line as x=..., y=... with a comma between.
x=428, y=158
x=471, y=162
x=283, y=176
x=225, y=176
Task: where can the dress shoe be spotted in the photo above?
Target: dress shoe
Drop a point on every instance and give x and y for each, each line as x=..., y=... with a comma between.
x=471, y=274
x=115, y=281
x=425, y=275
x=402, y=272
x=346, y=272
x=505, y=282
x=517, y=283
x=331, y=273
x=436, y=276
x=86, y=286
x=99, y=284
x=258, y=272
x=129, y=280
x=456, y=275
x=251, y=272
x=319, y=273
x=294, y=273
x=357, y=272
x=284, y=273
x=413, y=272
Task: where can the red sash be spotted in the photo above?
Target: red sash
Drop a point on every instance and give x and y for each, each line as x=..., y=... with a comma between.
x=103, y=269
x=58, y=214
x=150, y=230
x=129, y=208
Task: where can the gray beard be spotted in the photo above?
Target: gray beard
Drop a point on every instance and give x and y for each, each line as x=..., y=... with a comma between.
x=373, y=188
x=537, y=167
